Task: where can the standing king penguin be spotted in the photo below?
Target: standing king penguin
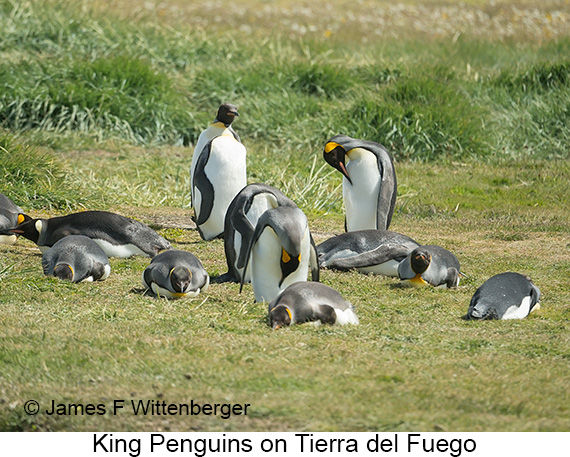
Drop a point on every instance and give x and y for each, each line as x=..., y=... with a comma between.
x=119, y=236
x=369, y=184
x=310, y=302
x=76, y=258
x=241, y=218
x=504, y=296
x=175, y=274
x=218, y=172
x=11, y=215
x=281, y=252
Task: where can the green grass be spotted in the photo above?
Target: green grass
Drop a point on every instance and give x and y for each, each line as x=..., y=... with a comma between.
x=71, y=71
x=98, y=106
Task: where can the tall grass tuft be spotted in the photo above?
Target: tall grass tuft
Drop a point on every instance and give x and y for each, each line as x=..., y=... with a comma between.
x=35, y=180
x=74, y=71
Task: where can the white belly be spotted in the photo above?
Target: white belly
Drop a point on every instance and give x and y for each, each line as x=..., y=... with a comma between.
x=212, y=131
x=518, y=312
x=226, y=171
x=126, y=250
x=260, y=204
x=361, y=197
x=266, y=269
x=389, y=268
x=8, y=239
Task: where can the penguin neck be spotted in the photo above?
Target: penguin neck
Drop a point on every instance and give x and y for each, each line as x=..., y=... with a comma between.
x=218, y=128
x=417, y=280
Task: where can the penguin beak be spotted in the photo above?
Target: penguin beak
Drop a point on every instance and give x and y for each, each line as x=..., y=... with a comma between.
x=276, y=326
x=335, y=156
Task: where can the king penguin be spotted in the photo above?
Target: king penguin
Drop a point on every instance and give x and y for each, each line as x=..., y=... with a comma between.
x=310, y=302
x=76, y=258
x=369, y=184
x=218, y=173
x=368, y=251
x=11, y=215
x=504, y=296
x=281, y=252
x=176, y=274
x=430, y=265
x=117, y=235
x=241, y=218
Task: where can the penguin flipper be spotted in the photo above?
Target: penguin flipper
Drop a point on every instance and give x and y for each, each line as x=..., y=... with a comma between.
x=370, y=258
x=314, y=261
x=452, y=280
x=326, y=314
x=147, y=278
x=259, y=228
x=203, y=183
x=246, y=230
x=388, y=186
x=98, y=271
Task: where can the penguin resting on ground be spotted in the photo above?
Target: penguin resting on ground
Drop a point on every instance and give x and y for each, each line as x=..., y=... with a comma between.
x=218, y=174
x=11, y=215
x=117, y=235
x=430, y=265
x=368, y=251
x=504, y=296
x=281, y=252
x=76, y=258
x=310, y=302
x=175, y=274
x=369, y=184
x=241, y=218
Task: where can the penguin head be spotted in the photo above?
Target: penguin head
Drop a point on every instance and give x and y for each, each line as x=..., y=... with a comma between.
x=288, y=263
x=27, y=227
x=420, y=260
x=280, y=316
x=335, y=155
x=227, y=113
x=63, y=271
x=180, y=278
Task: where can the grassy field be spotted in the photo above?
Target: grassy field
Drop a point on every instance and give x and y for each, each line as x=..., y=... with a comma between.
x=100, y=107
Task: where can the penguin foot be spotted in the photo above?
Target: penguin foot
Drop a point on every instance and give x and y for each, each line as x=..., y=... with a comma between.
x=226, y=277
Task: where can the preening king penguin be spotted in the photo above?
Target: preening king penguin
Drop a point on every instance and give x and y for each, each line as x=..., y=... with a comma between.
x=218, y=173
x=369, y=184
x=281, y=252
x=368, y=251
x=504, y=296
x=76, y=258
x=430, y=265
x=11, y=215
x=310, y=302
x=117, y=235
x=175, y=274
x=241, y=218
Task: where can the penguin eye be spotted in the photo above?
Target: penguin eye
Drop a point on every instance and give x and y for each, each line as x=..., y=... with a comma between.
x=285, y=256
